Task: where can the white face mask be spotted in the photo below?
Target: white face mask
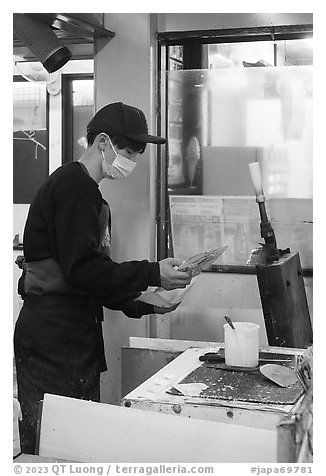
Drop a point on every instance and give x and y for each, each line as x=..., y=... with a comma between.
x=121, y=166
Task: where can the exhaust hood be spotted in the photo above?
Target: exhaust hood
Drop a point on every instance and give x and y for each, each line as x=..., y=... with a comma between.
x=78, y=31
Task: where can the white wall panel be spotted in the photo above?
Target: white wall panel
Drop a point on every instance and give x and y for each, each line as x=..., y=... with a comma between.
x=122, y=73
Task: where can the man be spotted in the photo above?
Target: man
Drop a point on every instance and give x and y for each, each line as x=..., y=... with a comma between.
x=68, y=274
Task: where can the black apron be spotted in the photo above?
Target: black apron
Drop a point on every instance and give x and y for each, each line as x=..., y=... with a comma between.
x=58, y=340
x=65, y=357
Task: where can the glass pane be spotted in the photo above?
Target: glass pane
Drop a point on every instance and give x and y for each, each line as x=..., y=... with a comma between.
x=226, y=55
x=261, y=53
x=30, y=153
x=82, y=112
x=219, y=121
x=29, y=102
x=295, y=52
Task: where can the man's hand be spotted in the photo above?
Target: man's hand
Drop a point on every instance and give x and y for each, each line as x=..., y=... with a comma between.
x=164, y=310
x=171, y=278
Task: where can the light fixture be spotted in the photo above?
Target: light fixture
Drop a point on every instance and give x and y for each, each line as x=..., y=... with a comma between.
x=42, y=42
x=35, y=72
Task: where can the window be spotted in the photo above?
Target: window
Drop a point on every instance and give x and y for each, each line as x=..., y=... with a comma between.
x=30, y=145
x=78, y=94
x=40, y=113
x=228, y=104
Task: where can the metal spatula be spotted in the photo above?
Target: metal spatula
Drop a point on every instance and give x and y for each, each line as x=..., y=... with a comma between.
x=281, y=375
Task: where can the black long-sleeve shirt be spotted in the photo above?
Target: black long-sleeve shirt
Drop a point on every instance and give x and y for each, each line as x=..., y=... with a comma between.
x=64, y=222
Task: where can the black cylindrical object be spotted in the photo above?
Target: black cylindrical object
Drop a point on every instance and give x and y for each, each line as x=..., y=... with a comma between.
x=42, y=42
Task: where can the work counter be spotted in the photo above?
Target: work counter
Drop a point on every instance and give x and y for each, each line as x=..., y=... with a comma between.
x=222, y=402
x=155, y=424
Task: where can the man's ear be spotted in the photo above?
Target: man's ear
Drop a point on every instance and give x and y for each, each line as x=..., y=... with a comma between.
x=102, y=140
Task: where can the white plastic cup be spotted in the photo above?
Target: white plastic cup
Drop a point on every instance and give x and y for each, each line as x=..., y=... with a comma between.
x=241, y=344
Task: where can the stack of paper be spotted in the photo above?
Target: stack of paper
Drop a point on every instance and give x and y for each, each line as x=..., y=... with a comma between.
x=161, y=298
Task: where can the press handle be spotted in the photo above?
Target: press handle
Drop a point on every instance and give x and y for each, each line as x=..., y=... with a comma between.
x=255, y=174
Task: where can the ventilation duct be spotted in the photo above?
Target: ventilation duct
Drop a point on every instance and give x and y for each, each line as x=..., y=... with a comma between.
x=42, y=42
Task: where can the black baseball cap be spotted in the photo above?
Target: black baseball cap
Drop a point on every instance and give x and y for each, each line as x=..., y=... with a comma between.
x=119, y=119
